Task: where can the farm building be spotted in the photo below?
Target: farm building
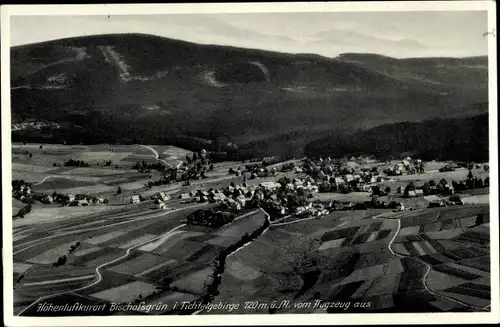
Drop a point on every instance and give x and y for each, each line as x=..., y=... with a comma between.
x=159, y=204
x=47, y=199
x=80, y=197
x=235, y=206
x=412, y=194
x=205, y=193
x=298, y=184
x=241, y=200
x=339, y=181
x=97, y=200
x=419, y=192
x=135, y=199
x=82, y=202
x=270, y=185
x=184, y=196
x=349, y=178
x=432, y=198
x=71, y=198
x=367, y=187
x=162, y=196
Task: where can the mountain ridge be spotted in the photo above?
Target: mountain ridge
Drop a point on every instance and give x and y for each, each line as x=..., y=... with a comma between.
x=173, y=87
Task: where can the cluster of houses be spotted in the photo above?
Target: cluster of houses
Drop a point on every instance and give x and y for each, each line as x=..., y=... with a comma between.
x=159, y=200
x=21, y=190
x=255, y=170
x=34, y=125
x=234, y=196
x=407, y=166
x=194, y=167
x=343, y=177
x=72, y=199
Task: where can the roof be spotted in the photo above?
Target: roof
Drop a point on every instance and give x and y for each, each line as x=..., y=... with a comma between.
x=432, y=198
x=419, y=191
x=270, y=184
x=134, y=197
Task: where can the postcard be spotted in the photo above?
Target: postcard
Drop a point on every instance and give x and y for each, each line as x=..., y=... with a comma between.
x=250, y=163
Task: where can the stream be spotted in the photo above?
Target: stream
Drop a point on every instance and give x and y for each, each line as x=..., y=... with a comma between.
x=220, y=263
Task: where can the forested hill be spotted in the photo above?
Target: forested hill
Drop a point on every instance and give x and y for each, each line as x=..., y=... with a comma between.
x=136, y=88
x=463, y=138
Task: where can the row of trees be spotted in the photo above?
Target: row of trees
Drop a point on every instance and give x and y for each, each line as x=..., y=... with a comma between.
x=76, y=163
x=145, y=167
x=210, y=218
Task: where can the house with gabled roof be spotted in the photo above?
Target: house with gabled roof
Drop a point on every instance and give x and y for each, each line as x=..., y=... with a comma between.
x=135, y=199
x=184, y=196
x=162, y=196
x=159, y=204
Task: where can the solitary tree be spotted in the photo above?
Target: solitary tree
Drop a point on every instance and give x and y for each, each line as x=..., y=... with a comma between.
x=119, y=191
x=479, y=219
x=469, y=175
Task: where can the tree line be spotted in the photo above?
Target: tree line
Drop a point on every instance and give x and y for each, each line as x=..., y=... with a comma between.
x=438, y=139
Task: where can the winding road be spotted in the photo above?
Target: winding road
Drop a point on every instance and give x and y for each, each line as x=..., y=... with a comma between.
x=155, y=215
x=157, y=156
x=97, y=269
x=429, y=268
x=51, y=176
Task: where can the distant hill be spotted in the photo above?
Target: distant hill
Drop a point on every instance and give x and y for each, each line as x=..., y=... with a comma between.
x=148, y=89
x=465, y=138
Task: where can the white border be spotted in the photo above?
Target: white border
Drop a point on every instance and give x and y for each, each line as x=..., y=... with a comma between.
x=206, y=8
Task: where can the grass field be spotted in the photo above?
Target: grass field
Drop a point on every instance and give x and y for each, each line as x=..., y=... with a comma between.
x=397, y=260
x=346, y=259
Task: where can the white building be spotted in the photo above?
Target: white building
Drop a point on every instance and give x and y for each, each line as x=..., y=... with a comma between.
x=135, y=199
x=162, y=196
x=159, y=204
x=270, y=185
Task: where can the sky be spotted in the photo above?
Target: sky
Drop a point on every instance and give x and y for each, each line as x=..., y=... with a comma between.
x=395, y=34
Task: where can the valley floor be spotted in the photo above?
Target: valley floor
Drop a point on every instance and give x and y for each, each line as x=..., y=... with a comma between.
x=426, y=260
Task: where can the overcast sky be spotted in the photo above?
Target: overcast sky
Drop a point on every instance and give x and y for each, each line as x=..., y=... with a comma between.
x=396, y=34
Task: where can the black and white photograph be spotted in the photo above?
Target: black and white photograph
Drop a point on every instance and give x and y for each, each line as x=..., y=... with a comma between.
x=202, y=161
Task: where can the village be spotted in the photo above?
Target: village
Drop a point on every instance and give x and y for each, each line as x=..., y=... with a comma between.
x=299, y=193
x=294, y=189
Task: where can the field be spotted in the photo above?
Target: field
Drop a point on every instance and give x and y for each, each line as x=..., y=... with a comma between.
x=415, y=261
x=137, y=251
x=407, y=262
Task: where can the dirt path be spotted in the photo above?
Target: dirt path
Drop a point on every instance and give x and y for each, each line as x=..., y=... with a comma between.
x=429, y=268
x=97, y=270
